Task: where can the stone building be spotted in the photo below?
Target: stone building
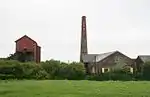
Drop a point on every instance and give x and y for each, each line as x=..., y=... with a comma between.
x=110, y=61
x=140, y=61
x=100, y=63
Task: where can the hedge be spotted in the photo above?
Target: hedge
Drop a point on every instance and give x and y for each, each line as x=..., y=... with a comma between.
x=56, y=70
x=52, y=69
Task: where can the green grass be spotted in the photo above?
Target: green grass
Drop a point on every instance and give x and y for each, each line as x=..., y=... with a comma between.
x=64, y=88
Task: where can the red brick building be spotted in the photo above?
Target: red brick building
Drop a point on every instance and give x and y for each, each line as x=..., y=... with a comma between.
x=30, y=47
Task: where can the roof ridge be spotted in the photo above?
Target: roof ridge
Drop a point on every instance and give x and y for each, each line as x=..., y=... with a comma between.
x=104, y=53
x=99, y=57
x=143, y=55
x=27, y=37
x=109, y=52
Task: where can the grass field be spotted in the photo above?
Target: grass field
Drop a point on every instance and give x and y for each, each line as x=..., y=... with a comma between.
x=64, y=88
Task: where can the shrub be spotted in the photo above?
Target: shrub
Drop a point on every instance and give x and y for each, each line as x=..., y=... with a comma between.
x=16, y=70
x=6, y=76
x=115, y=75
x=51, y=67
x=33, y=71
x=54, y=69
x=75, y=71
x=11, y=67
x=146, y=71
x=61, y=70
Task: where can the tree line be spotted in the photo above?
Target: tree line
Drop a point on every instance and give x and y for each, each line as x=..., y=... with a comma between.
x=52, y=69
x=57, y=70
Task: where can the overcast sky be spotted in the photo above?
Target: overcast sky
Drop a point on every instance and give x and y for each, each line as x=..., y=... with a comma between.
x=122, y=25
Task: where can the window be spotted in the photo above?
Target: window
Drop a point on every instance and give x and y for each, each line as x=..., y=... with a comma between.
x=131, y=70
x=105, y=70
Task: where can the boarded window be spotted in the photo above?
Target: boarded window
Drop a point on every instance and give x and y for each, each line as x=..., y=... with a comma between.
x=105, y=70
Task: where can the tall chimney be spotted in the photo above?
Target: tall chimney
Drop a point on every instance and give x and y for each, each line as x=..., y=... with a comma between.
x=83, y=49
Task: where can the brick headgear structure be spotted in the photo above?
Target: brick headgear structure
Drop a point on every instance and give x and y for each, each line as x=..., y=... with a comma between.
x=28, y=46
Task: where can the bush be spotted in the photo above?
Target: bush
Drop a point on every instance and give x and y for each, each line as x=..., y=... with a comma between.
x=72, y=71
x=10, y=68
x=33, y=71
x=146, y=71
x=54, y=69
x=16, y=70
x=51, y=67
x=61, y=70
x=7, y=76
x=115, y=75
x=138, y=76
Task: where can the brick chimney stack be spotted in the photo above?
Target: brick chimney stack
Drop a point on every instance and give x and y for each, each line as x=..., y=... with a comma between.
x=83, y=49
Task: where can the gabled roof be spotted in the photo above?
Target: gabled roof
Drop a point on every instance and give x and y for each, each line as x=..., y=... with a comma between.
x=104, y=55
x=25, y=36
x=144, y=58
x=89, y=57
x=97, y=57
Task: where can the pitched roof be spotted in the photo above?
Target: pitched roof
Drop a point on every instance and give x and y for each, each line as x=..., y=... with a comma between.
x=26, y=37
x=89, y=57
x=144, y=58
x=97, y=57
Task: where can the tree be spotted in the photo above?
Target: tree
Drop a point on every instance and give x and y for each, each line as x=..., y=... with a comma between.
x=22, y=57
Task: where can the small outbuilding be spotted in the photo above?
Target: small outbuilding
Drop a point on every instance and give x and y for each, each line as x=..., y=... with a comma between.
x=140, y=61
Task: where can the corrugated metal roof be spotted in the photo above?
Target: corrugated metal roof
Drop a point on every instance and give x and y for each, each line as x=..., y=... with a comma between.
x=144, y=58
x=96, y=57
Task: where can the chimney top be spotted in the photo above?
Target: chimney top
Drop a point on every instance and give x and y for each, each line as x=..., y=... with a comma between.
x=83, y=16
